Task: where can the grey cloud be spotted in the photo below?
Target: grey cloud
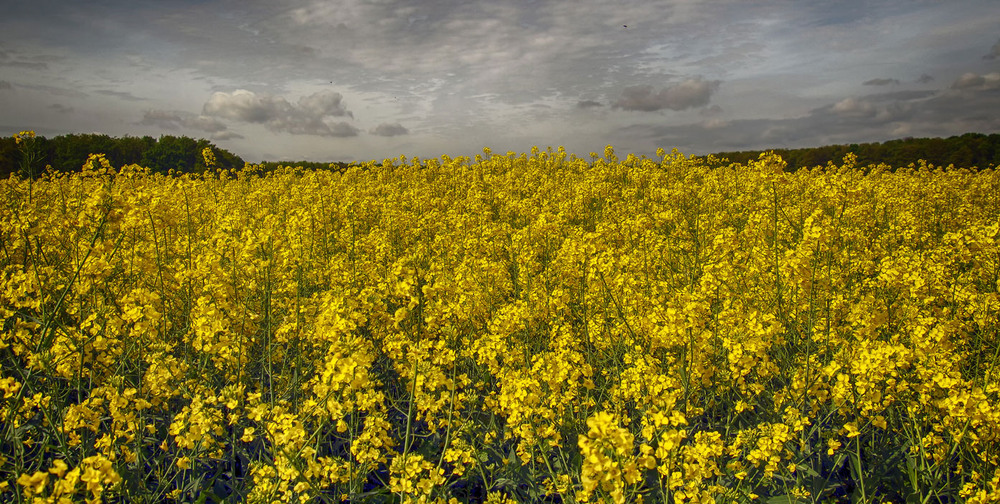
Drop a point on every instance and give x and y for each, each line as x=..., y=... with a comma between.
x=711, y=124
x=859, y=119
x=976, y=82
x=119, y=94
x=517, y=52
x=311, y=126
x=967, y=81
x=5, y=85
x=711, y=111
x=277, y=114
x=204, y=123
x=162, y=118
x=994, y=52
x=925, y=78
x=452, y=60
x=226, y=135
x=246, y=106
x=175, y=120
x=340, y=129
x=137, y=61
x=897, y=111
x=872, y=110
x=60, y=108
x=324, y=103
x=33, y=62
x=881, y=82
x=896, y=96
x=687, y=94
x=852, y=107
x=56, y=90
x=388, y=130
x=34, y=65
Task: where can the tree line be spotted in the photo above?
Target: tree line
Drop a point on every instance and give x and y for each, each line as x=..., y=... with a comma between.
x=67, y=153
x=971, y=150
x=182, y=154
x=340, y=166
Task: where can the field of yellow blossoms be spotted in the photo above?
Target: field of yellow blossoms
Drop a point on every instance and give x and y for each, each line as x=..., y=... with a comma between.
x=533, y=327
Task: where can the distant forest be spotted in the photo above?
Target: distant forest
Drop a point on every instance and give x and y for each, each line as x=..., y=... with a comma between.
x=67, y=153
x=183, y=155
x=971, y=150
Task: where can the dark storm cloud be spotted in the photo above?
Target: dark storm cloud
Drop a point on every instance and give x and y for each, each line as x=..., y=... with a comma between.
x=687, y=94
x=584, y=104
x=388, y=130
x=5, y=85
x=306, y=117
x=881, y=82
x=924, y=79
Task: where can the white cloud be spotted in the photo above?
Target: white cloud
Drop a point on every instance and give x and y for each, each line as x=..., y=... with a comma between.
x=307, y=117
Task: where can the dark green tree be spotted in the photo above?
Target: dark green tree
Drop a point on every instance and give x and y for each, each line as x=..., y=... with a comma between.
x=71, y=151
x=172, y=153
x=130, y=149
x=9, y=156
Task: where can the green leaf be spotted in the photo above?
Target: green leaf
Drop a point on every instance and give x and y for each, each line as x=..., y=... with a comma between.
x=782, y=499
x=806, y=469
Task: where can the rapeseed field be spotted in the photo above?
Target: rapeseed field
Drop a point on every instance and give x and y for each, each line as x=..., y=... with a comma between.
x=533, y=327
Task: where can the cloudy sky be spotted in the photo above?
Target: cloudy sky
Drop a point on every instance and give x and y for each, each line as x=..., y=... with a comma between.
x=369, y=79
